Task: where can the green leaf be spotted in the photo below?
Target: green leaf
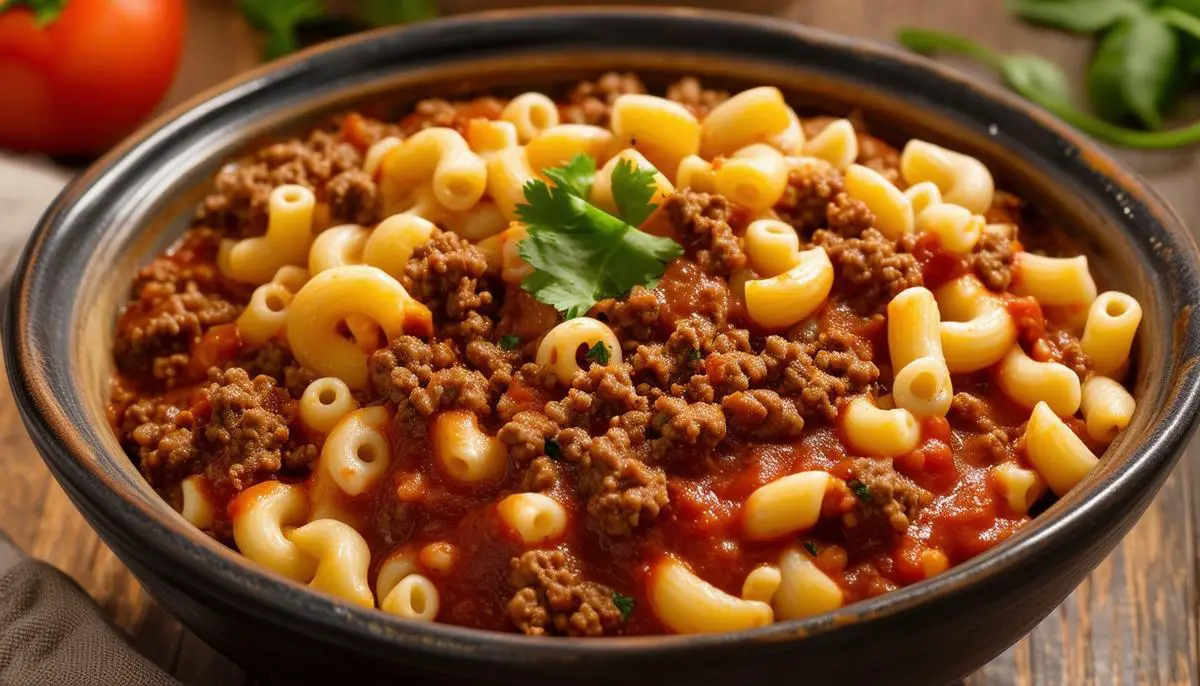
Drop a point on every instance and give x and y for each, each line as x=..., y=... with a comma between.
x=574, y=177
x=598, y=353
x=810, y=547
x=694, y=355
x=625, y=604
x=860, y=490
x=510, y=342
x=929, y=42
x=1106, y=74
x=1044, y=83
x=1151, y=64
x=632, y=188
x=1036, y=78
x=1077, y=16
x=45, y=12
x=552, y=449
x=579, y=253
x=1191, y=7
x=278, y=20
x=389, y=12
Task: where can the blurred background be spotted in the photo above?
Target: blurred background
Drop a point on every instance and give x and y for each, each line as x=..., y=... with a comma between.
x=78, y=75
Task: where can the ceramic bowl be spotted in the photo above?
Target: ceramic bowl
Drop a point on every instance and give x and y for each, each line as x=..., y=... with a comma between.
x=114, y=217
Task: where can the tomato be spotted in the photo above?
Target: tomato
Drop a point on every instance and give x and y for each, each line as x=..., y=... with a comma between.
x=87, y=77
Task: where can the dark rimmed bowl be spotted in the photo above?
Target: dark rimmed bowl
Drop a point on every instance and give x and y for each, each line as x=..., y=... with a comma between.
x=77, y=269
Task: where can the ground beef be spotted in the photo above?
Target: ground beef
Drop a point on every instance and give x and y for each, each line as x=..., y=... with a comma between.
x=526, y=435
x=354, y=198
x=821, y=369
x=632, y=318
x=972, y=414
x=553, y=598
x=762, y=414
x=621, y=490
x=244, y=440
x=848, y=217
x=447, y=274
x=680, y=422
x=702, y=222
x=276, y=362
x=869, y=268
x=1006, y=208
x=435, y=112
x=394, y=520
x=806, y=200
x=407, y=364
x=590, y=102
x=699, y=100
x=598, y=396
x=1063, y=347
x=540, y=476
x=994, y=255
x=172, y=324
x=885, y=499
x=239, y=201
x=456, y=388
x=725, y=373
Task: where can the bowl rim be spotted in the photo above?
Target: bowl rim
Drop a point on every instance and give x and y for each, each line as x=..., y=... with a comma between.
x=341, y=622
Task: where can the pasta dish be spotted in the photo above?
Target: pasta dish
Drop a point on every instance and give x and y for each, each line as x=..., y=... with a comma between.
x=615, y=363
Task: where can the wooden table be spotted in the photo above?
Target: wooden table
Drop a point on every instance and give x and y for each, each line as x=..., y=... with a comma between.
x=1133, y=621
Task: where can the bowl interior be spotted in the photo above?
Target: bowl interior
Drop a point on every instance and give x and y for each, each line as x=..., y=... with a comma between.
x=138, y=200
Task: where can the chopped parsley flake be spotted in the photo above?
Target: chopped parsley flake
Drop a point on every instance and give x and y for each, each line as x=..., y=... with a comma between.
x=510, y=342
x=553, y=450
x=860, y=490
x=598, y=353
x=625, y=604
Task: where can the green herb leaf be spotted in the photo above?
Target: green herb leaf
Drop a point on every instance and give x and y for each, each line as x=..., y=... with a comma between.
x=1151, y=64
x=1036, y=78
x=580, y=254
x=1044, y=83
x=552, y=449
x=597, y=353
x=1106, y=74
x=632, y=189
x=574, y=177
x=694, y=355
x=810, y=547
x=510, y=342
x=389, y=12
x=861, y=491
x=1076, y=16
x=278, y=20
x=44, y=11
x=625, y=604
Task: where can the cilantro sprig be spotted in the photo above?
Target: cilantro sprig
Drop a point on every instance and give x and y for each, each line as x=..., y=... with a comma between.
x=625, y=605
x=581, y=254
x=598, y=353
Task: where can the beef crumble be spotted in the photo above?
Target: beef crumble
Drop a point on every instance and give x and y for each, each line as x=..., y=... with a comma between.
x=553, y=598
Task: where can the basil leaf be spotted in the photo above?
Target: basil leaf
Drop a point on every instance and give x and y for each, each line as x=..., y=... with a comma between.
x=1076, y=16
x=1106, y=74
x=1036, y=78
x=1151, y=69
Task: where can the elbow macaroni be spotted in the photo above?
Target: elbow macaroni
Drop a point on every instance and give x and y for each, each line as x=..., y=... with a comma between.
x=265, y=315
x=336, y=247
x=753, y=116
x=464, y=451
x=262, y=515
x=913, y=327
x=342, y=559
x=985, y=332
x=772, y=247
x=325, y=402
x=289, y=233
x=754, y=177
x=357, y=452
x=1054, y=281
x=956, y=228
x=1031, y=383
x=892, y=209
x=560, y=347
x=962, y=179
x=1112, y=323
x=441, y=157
x=1058, y=455
x=880, y=433
x=837, y=144
x=602, y=196
x=1107, y=408
x=784, y=506
x=804, y=590
x=663, y=131
x=332, y=296
x=1020, y=487
x=923, y=387
x=535, y=518
x=530, y=114
x=392, y=243
x=687, y=604
x=786, y=299
x=558, y=145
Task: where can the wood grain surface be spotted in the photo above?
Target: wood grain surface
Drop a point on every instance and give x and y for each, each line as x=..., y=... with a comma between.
x=1134, y=621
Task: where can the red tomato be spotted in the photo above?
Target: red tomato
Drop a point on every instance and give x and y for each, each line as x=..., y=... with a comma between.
x=83, y=81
